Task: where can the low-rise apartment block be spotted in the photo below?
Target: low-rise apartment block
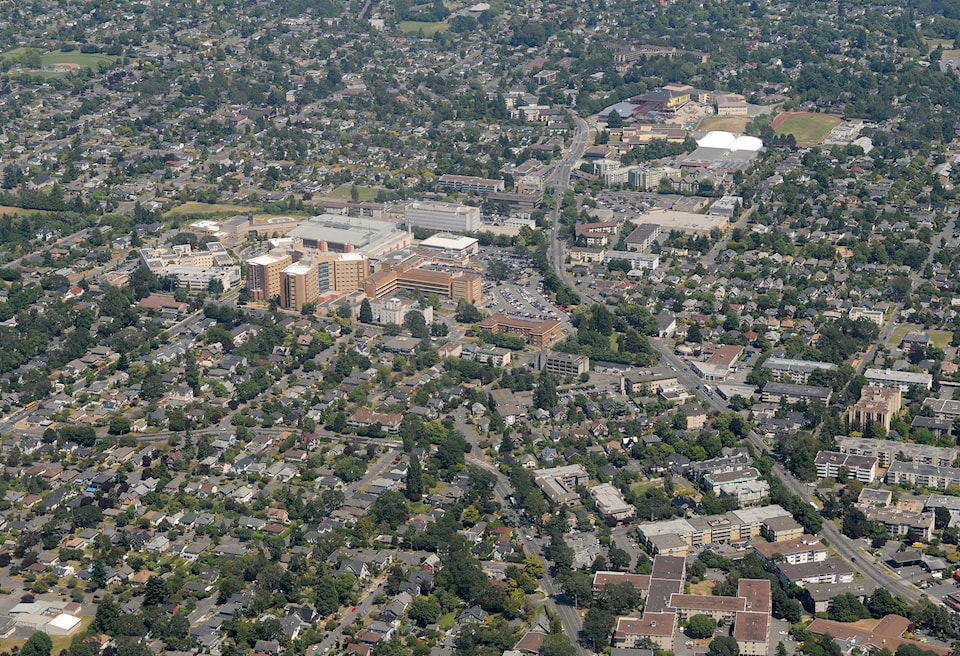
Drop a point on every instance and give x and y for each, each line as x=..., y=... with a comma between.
x=559, y=484
x=795, y=371
x=611, y=504
x=889, y=451
x=805, y=549
x=831, y=570
x=913, y=525
x=831, y=463
x=537, y=333
x=904, y=380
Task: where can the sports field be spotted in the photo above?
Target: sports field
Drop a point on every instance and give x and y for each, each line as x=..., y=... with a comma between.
x=56, y=61
x=193, y=208
x=807, y=128
x=364, y=194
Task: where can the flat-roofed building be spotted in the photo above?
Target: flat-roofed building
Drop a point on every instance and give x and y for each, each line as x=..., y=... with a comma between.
x=902, y=379
x=611, y=504
x=796, y=371
x=643, y=237
x=470, y=183
x=657, y=627
x=752, y=633
x=449, y=217
x=747, y=493
x=395, y=310
x=263, y=276
x=346, y=234
x=299, y=285
x=537, y=333
x=877, y=405
x=790, y=393
x=943, y=408
x=560, y=483
x=831, y=463
x=817, y=596
x=912, y=473
x=719, y=609
x=602, y=579
x=806, y=549
x=831, y=570
x=781, y=529
x=889, y=451
x=913, y=525
x=454, y=285
x=342, y=272
x=454, y=248
x=566, y=364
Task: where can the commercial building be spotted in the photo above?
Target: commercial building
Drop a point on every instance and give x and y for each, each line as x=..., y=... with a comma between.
x=795, y=371
x=299, y=285
x=263, y=276
x=342, y=272
x=413, y=274
x=448, y=217
x=559, y=484
x=862, y=468
x=453, y=248
x=902, y=379
x=911, y=473
x=536, y=333
x=566, y=364
x=877, y=405
x=469, y=183
x=346, y=234
x=194, y=270
x=889, y=451
x=611, y=504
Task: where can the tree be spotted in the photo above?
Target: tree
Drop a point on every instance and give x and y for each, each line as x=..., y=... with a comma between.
x=326, y=597
x=107, y=614
x=39, y=644
x=619, y=559
x=155, y=592
x=545, y=396
x=416, y=324
x=724, y=646
x=846, y=608
x=390, y=508
x=366, y=312
x=424, y=611
x=597, y=626
x=467, y=312
x=119, y=425
x=882, y=603
x=614, y=120
x=557, y=644
x=414, y=479
x=700, y=626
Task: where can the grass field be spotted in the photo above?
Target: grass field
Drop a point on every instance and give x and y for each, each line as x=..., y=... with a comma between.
x=429, y=29
x=7, y=209
x=736, y=124
x=703, y=587
x=809, y=129
x=941, y=338
x=364, y=194
x=193, y=208
x=83, y=60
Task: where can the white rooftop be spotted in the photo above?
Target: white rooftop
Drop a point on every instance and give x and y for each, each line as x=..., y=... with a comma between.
x=448, y=241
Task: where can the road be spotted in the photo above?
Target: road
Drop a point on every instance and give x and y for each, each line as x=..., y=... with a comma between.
x=844, y=546
x=561, y=181
x=502, y=489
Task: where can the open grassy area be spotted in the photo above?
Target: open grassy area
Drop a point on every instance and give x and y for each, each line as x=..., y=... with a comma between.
x=807, y=128
x=429, y=29
x=59, y=642
x=8, y=209
x=735, y=124
x=703, y=587
x=364, y=194
x=446, y=622
x=193, y=208
x=79, y=59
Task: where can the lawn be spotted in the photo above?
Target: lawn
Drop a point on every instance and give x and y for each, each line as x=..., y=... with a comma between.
x=193, y=208
x=809, y=129
x=60, y=643
x=79, y=59
x=8, y=209
x=941, y=338
x=446, y=622
x=735, y=124
x=429, y=29
x=364, y=194
x=704, y=587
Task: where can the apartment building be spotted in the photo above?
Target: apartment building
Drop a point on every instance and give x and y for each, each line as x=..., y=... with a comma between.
x=902, y=379
x=795, y=371
x=912, y=473
x=566, y=364
x=805, y=549
x=912, y=525
x=559, y=484
x=887, y=451
x=877, y=405
x=537, y=333
x=862, y=468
